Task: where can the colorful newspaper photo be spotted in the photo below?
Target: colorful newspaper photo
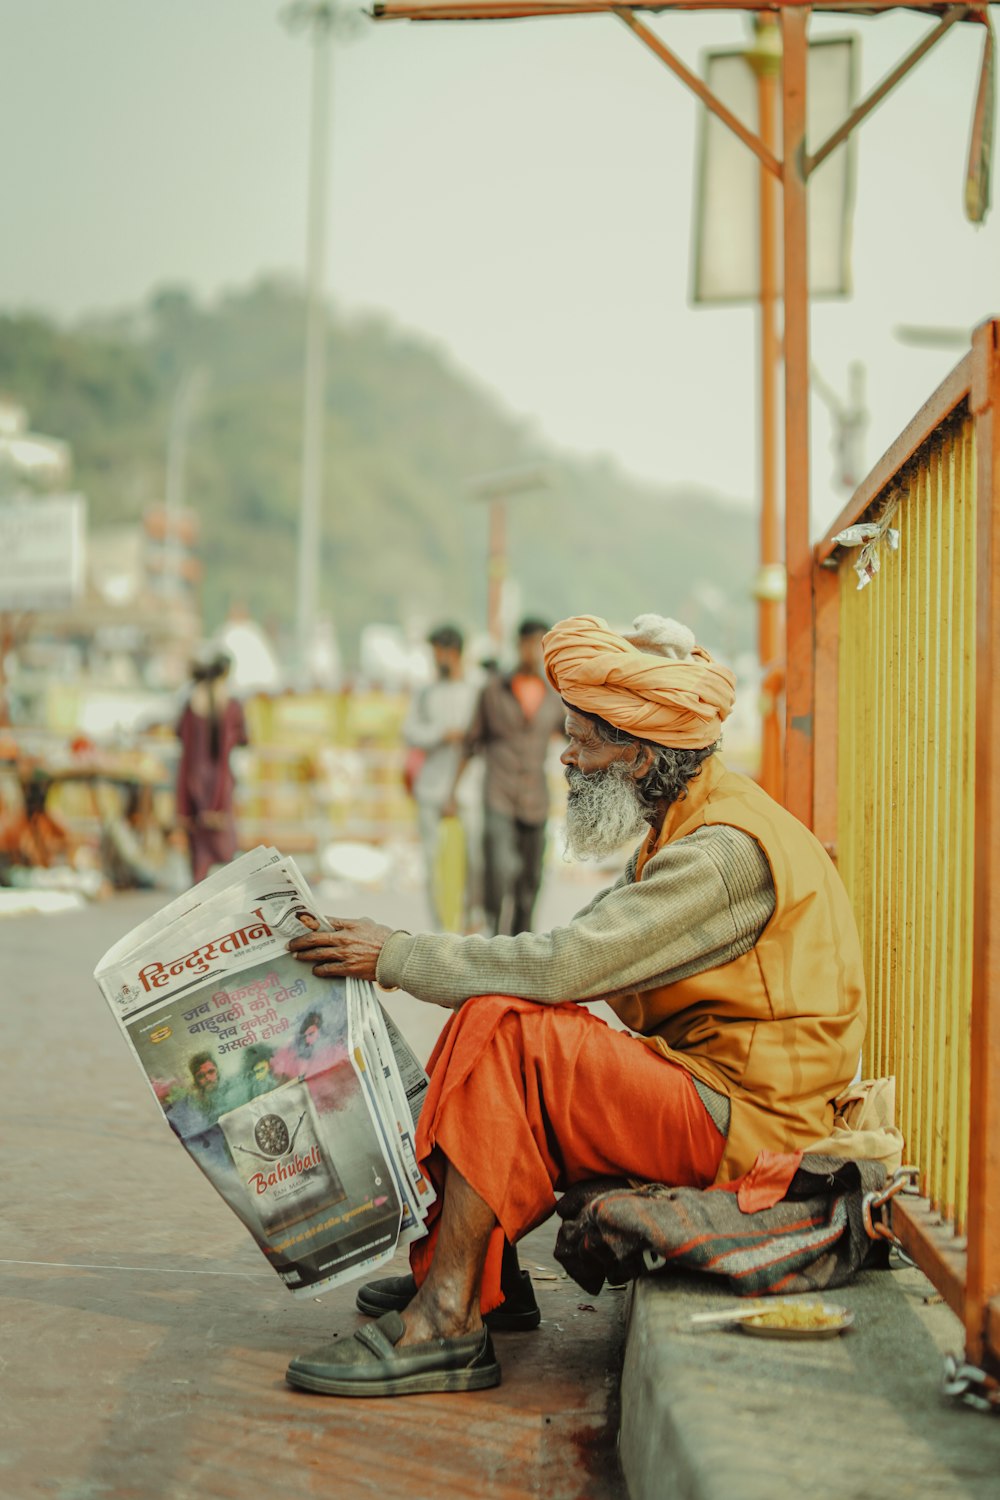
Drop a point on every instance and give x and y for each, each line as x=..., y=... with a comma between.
x=291, y=1093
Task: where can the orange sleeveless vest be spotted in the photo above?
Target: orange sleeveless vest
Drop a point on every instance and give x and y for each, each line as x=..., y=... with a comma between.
x=778, y=1030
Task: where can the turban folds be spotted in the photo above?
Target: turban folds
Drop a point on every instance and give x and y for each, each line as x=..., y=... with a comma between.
x=680, y=703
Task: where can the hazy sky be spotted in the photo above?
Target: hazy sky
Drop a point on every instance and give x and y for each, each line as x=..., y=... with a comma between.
x=520, y=191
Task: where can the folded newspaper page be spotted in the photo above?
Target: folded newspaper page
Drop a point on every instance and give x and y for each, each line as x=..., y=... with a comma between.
x=297, y=1097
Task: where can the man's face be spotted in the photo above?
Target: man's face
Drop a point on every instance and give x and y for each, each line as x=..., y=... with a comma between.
x=261, y=1069
x=207, y=1076
x=310, y=1037
x=447, y=661
x=604, y=808
x=529, y=653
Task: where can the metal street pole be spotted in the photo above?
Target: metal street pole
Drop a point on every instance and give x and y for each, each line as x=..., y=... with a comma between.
x=765, y=60
x=319, y=18
x=186, y=398
x=496, y=488
x=800, y=669
x=496, y=569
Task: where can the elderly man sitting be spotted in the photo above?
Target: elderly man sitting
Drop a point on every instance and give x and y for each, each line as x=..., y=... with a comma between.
x=727, y=947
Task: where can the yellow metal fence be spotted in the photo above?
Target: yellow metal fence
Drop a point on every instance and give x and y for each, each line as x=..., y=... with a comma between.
x=906, y=794
x=906, y=798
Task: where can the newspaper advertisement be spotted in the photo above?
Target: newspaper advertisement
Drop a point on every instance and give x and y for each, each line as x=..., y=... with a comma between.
x=294, y=1095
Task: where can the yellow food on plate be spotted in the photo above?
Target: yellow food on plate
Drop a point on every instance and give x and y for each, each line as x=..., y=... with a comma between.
x=799, y=1315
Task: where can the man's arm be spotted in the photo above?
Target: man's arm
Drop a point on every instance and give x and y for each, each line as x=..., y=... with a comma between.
x=627, y=877
x=472, y=742
x=701, y=902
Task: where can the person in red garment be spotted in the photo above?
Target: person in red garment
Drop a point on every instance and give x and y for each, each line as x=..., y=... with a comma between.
x=729, y=948
x=209, y=729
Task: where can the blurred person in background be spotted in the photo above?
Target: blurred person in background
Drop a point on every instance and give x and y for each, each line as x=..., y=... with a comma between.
x=516, y=716
x=434, y=732
x=125, y=854
x=209, y=729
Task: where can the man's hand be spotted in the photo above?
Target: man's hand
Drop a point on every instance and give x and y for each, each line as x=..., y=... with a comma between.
x=345, y=946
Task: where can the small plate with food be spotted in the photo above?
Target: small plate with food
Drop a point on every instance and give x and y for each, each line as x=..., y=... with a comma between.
x=798, y=1318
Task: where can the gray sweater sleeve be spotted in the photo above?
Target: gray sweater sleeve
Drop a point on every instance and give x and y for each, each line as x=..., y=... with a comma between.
x=702, y=901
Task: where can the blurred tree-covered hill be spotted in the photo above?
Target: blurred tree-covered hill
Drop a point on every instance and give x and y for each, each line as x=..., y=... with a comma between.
x=406, y=431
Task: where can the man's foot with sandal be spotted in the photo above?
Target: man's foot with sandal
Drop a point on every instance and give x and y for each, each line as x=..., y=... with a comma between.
x=372, y=1364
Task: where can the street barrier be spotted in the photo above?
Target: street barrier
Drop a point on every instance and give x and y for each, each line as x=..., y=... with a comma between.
x=906, y=724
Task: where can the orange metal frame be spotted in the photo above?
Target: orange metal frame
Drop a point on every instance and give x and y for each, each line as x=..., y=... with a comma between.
x=793, y=171
x=515, y=10
x=967, y=1275
x=982, y=1317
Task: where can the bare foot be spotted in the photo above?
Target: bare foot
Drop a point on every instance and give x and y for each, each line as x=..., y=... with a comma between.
x=431, y=1316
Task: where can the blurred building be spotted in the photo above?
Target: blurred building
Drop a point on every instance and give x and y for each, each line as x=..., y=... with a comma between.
x=28, y=460
x=110, y=658
x=115, y=661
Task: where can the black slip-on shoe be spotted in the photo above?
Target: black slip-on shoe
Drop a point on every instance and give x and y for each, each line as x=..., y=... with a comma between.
x=370, y=1364
x=519, y=1313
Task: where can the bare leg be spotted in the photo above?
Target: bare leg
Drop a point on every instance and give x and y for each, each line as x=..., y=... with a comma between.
x=447, y=1304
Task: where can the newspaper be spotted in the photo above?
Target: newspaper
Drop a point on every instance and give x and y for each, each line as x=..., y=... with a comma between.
x=297, y=1097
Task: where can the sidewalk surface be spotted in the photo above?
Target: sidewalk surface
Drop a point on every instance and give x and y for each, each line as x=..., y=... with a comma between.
x=718, y=1415
x=143, y=1340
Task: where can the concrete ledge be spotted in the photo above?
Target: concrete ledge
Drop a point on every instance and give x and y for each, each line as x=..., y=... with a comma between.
x=717, y=1415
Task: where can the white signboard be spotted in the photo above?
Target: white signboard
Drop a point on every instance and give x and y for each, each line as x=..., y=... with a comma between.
x=42, y=540
x=727, y=239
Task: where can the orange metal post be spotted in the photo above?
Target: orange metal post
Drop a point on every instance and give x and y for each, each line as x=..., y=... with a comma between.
x=798, y=557
x=764, y=58
x=983, y=1282
x=826, y=595
x=496, y=568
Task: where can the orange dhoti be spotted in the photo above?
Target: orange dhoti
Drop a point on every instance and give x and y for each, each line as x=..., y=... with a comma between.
x=527, y=1099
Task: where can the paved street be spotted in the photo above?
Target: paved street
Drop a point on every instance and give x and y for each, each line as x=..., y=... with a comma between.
x=142, y=1338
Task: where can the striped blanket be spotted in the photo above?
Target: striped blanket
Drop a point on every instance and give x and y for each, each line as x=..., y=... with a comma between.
x=813, y=1239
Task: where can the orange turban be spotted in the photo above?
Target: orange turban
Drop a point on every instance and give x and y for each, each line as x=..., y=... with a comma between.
x=656, y=684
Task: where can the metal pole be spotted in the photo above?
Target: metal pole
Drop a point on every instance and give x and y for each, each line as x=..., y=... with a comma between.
x=496, y=488
x=185, y=401
x=321, y=19
x=496, y=569
x=799, y=678
x=765, y=60
x=982, y=1289
x=173, y=491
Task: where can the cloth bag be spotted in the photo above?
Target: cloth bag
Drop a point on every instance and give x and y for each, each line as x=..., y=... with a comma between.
x=864, y=1125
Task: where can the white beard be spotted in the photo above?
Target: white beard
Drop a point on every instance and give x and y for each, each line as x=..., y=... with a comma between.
x=603, y=811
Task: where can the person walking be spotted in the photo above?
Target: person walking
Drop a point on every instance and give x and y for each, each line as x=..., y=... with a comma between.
x=515, y=718
x=210, y=727
x=435, y=727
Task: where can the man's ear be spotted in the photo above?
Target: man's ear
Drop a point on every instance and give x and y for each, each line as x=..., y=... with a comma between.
x=644, y=761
